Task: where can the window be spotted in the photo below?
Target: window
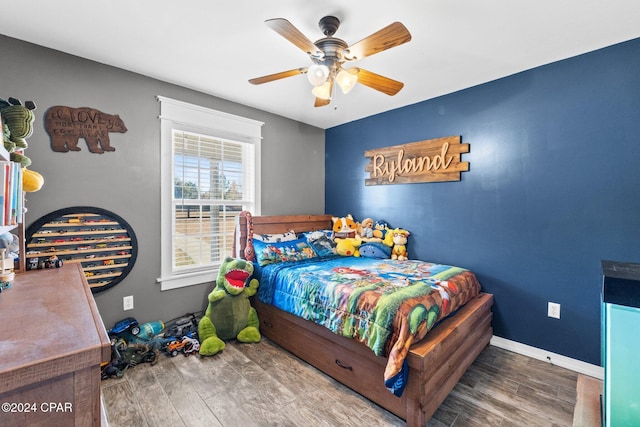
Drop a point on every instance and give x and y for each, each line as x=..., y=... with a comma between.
x=210, y=171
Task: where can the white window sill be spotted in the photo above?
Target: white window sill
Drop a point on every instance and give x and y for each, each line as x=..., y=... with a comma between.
x=187, y=279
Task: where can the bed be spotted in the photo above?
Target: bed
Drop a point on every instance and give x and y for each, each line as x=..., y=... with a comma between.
x=434, y=364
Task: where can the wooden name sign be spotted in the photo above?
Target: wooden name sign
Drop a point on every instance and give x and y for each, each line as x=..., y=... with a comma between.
x=433, y=160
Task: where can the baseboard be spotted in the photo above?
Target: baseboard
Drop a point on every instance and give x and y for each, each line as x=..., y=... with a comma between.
x=579, y=366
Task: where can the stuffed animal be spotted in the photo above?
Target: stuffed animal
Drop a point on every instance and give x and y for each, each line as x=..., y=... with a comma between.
x=380, y=229
x=31, y=180
x=388, y=238
x=344, y=226
x=374, y=250
x=229, y=314
x=347, y=246
x=11, y=244
x=365, y=229
x=399, y=249
x=17, y=125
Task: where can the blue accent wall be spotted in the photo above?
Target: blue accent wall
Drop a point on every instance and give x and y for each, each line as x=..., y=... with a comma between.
x=553, y=189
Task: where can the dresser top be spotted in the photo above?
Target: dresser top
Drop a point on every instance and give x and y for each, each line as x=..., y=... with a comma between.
x=50, y=315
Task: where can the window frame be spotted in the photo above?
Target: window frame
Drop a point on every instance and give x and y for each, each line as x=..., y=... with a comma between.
x=183, y=116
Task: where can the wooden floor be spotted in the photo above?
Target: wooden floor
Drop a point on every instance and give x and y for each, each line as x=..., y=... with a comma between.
x=263, y=385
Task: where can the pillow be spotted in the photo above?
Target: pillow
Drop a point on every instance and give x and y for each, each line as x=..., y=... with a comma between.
x=323, y=245
x=316, y=234
x=292, y=250
x=277, y=237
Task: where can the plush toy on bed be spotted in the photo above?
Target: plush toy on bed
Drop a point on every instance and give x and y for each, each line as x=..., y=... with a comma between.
x=344, y=226
x=399, y=249
x=365, y=229
x=380, y=229
x=347, y=246
x=229, y=314
x=375, y=249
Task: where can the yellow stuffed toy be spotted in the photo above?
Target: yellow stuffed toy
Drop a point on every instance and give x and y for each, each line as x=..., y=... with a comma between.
x=399, y=250
x=348, y=246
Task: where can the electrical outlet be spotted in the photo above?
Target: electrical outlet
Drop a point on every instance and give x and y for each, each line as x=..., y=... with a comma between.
x=127, y=303
x=554, y=310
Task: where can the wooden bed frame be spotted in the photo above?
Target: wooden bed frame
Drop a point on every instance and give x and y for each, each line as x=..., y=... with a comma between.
x=435, y=364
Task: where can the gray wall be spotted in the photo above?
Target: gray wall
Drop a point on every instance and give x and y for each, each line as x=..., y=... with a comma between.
x=126, y=181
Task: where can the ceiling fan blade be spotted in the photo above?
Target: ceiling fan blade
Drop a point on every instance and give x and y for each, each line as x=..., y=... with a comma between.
x=390, y=36
x=291, y=33
x=378, y=82
x=277, y=76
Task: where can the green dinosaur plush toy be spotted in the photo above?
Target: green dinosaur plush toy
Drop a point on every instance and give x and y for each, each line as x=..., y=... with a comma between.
x=17, y=125
x=229, y=314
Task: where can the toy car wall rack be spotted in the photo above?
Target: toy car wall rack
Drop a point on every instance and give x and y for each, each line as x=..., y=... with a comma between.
x=100, y=241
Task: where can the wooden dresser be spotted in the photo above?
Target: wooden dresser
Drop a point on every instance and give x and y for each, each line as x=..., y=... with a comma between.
x=52, y=342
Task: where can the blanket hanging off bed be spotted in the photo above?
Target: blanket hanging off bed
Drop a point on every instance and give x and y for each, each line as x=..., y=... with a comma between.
x=388, y=305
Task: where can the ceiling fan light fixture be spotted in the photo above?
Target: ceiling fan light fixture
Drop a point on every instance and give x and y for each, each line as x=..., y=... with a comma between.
x=317, y=74
x=328, y=54
x=347, y=79
x=323, y=91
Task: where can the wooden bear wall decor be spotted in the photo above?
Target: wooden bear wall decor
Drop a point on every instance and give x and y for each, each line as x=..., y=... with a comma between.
x=66, y=125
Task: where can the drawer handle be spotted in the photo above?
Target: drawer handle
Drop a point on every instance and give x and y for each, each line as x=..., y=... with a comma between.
x=339, y=363
x=269, y=324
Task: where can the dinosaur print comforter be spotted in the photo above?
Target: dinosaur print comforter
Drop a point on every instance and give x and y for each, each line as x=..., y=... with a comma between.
x=386, y=304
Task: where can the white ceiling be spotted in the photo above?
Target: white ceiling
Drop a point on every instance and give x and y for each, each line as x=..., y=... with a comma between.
x=216, y=47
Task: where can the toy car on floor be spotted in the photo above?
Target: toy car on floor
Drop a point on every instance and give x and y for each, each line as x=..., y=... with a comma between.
x=128, y=325
x=182, y=326
x=186, y=345
x=136, y=353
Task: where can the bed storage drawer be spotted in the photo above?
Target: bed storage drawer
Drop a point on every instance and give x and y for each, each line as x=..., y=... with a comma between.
x=350, y=362
x=436, y=363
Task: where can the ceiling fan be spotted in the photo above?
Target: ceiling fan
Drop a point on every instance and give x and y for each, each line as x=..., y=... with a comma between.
x=329, y=54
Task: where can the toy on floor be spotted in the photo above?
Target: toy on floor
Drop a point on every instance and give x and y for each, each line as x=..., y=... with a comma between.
x=229, y=313
x=135, y=353
x=125, y=355
x=187, y=345
x=185, y=325
x=117, y=365
x=124, y=327
x=149, y=330
x=136, y=343
x=150, y=335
